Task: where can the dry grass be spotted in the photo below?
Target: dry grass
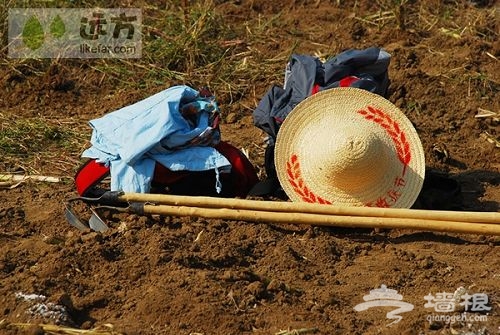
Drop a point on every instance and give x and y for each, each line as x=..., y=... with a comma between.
x=445, y=17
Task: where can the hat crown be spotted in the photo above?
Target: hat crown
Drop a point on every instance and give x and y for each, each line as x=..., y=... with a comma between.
x=359, y=159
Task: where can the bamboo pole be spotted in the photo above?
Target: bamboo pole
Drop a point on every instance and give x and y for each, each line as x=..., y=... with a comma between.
x=325, y=220
x=310, y=208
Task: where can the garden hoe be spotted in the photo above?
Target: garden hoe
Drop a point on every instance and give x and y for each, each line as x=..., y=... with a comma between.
x=483, y=223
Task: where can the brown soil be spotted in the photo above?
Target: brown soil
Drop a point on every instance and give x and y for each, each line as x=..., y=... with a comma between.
x=152, y=275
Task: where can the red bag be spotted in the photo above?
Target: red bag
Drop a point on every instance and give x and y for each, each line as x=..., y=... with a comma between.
x=236, y=183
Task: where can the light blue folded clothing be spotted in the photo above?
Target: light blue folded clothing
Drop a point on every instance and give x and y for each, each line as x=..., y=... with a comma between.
x=130, y=140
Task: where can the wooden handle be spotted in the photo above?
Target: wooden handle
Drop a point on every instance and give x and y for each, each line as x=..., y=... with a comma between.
x=303, y=207
x=325, y=220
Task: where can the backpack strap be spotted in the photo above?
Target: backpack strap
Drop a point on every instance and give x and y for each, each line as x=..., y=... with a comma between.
x=243, y=172
x=89, y=176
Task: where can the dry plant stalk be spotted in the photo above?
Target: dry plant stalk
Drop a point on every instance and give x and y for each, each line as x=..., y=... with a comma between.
x=14, y=180
x=21, y=178
x=491, y=139
x=297, y=331
x=483, y=113
x=106, y=329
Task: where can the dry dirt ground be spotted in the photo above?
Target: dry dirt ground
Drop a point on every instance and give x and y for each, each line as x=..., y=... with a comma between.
x=196, y=276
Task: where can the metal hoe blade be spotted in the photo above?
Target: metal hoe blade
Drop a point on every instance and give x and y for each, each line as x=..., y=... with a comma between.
x=73, y=219
x=96, y=223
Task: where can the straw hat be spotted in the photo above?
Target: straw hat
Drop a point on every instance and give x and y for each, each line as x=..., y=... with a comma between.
x=347, y=146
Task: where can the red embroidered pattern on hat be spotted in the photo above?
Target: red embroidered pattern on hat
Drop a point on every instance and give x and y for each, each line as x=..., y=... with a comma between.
x=295, y=179
x=395, y=132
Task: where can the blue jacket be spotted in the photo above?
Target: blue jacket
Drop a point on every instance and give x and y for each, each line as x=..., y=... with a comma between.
x=172, y=127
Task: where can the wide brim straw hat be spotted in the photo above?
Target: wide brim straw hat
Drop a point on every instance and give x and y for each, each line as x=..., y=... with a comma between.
x=350, y=147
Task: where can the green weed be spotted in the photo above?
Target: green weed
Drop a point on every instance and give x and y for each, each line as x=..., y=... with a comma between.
x=33, y=136
x=413, y=107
